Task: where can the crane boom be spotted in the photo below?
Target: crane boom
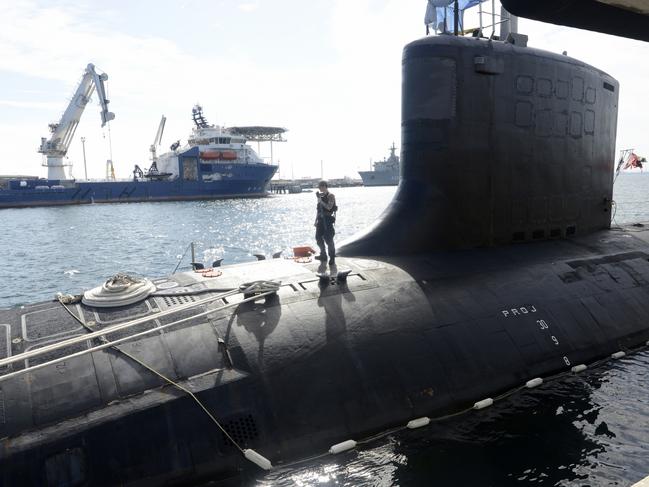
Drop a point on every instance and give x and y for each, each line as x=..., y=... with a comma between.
x=158, y=139
x=56, y=147
x=153, y=168
x=161, y=129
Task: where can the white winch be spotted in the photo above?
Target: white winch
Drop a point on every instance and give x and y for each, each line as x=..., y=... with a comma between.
x=119, y=290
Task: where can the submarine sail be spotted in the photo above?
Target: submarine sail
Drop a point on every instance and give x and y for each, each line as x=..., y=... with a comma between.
x=500, y=144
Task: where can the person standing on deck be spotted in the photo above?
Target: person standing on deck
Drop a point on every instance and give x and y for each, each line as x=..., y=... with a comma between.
x=324, y=223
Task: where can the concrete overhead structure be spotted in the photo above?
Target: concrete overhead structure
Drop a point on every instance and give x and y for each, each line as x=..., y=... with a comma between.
x=624, y=18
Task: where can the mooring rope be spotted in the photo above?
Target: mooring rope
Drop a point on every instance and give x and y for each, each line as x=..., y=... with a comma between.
x=271, y=287
x=251, y=291
x=156, y=372
x=122, y=326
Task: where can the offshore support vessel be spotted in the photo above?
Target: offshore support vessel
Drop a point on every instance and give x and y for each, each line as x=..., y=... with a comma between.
x=216, y=162
x=385, y=173
x=465, y=291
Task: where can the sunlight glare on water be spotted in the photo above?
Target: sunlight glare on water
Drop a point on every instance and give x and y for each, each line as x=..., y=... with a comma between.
x=46, y=250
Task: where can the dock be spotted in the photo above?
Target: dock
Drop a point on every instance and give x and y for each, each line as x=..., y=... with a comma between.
x=293, y=186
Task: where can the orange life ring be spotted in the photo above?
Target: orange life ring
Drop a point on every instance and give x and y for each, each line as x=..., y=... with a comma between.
x=212, y=273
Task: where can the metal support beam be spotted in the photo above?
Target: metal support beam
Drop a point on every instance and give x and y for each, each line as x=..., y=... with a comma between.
x=85, y=167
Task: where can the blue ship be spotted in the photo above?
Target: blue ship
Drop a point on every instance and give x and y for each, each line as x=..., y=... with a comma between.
x=216, y=162
x=204, y=181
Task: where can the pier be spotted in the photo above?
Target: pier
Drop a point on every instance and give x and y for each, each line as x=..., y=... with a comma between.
x=293, y=186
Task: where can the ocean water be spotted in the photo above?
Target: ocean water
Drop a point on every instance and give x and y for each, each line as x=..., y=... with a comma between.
x=591, y=429
x=46, y=250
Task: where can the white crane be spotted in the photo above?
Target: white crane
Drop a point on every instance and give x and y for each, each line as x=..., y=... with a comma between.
x=56, y=147
x=157, y=140
x=153, y=172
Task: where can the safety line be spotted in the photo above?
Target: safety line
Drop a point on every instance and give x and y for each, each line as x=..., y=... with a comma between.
x=159, y=374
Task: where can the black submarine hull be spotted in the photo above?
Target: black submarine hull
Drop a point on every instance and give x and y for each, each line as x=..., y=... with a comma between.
x=403, y=339
x=494, y=266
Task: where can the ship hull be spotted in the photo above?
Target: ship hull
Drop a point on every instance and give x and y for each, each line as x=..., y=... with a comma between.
x=243, y=182
x=379, y=178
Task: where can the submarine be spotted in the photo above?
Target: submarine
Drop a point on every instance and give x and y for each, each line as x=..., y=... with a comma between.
x=494, y=269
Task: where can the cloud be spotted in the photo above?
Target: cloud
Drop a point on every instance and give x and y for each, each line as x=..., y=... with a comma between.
x=30, y=104
x=147, y=74
x=332, y=108
x=248, y=6
x=341, y=105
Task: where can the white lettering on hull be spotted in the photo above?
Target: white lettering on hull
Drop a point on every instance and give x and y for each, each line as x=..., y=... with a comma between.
x=523, y=310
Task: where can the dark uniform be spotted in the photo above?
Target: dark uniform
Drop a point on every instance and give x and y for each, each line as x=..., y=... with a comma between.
x=324, y=228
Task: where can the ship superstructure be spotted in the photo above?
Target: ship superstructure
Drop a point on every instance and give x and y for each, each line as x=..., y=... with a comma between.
x=219, y=150
x=385, y=173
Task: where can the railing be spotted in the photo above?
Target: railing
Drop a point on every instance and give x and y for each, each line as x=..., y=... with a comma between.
x=508, y=22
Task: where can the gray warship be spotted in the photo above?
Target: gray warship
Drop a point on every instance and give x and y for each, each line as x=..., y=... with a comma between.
x=385, y=172
x=464, y=292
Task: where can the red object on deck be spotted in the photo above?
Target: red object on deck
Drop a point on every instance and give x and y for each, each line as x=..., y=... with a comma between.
x=210, y=155
x=229, y=155
x=305, y=251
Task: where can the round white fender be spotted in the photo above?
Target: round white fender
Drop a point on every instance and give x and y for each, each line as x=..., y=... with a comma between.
x=119, y=290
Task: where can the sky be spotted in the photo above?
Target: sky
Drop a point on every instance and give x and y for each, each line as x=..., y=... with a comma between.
x=327, y=70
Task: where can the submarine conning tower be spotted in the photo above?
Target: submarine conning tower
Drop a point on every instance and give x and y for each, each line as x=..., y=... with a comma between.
x=501, y=143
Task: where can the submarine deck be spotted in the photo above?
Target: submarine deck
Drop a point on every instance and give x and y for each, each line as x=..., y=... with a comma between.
x=401, y=338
